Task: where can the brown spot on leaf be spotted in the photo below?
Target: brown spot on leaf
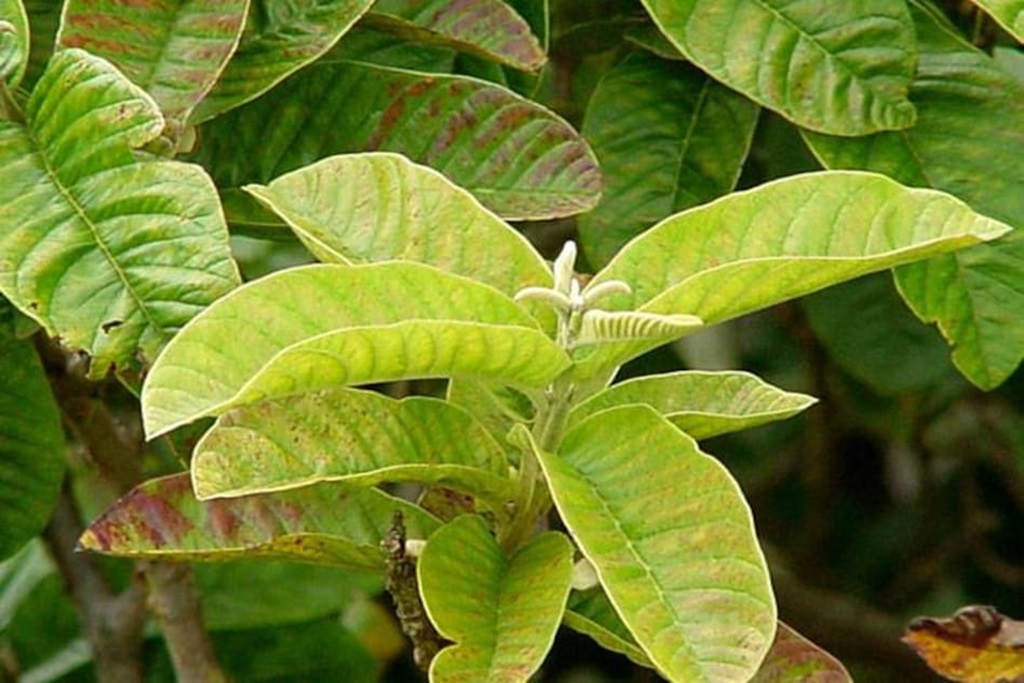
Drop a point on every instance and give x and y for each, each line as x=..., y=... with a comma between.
x=976, y=645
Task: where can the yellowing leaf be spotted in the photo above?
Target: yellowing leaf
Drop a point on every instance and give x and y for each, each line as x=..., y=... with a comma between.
x=976, y=645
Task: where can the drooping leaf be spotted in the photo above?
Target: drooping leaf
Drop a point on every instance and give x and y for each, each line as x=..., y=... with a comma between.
x=31, y=445
x=590, y=613
x=501, y=612
x=173, y=50
x=319, y=326
x=883, y=344
x=375, y=207
x=976, y=645
x=1008, y=13
x=348, y=435
x=702, y=404
x=486, y=28
x=671, y=539
x=787, y=238
x=844, y=71
x=518, y=158
x=330, y=524
x=965, y=142
x=279, y=39
x=668, y=137
x=110, y=251
x=794, y=659
x=14, y=43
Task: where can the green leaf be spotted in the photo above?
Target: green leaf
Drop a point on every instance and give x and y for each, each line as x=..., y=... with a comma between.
x=787, y=238
x=44, y=20
x=279, y=39
x=883, y=345
x=501, y=612
x=376, y=207
x=31, y=445
x=19, y=576
x=844, y=71
x=519, y=159
x=496, y=407
x=603, y=327
x=591, y=613
x=354, y=436
x=173, y=50
x=247, y=594
x=794, y=659
x=109, y=250
x=1008, y=13
x=330, y=524
x=14, y=43
x=485, y=28
x=319, y=326
x=668, y=137
x=966, y=142
x=702, y=404
x=671, y=539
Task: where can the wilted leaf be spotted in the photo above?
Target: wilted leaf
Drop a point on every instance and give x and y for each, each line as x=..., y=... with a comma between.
x=669, y=137
x=173, y=50
x=31, y=445
x=843, y=71
x=787, y=238
x=966, y=142
x=501, y=612
x=348, y=435
x=518, y=158
x=1009, y=14
x=672, y=541
x=320, y=326
x=329, y=524
x=486, y=28
x=110, y=251
x=14, y=43
x=976, y=645
x=702, y=404
x=794, y=659
x=279, y=39
x=377, y=207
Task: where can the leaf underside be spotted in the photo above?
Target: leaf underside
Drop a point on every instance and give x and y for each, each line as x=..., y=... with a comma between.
x=501, y=612
x=330, y=524
x=672, y=541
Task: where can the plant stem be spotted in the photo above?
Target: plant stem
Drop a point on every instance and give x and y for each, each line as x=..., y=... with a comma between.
x=533, y=499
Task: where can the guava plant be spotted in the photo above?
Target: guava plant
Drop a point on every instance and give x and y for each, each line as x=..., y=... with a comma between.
x=527, y=486
x=539, y=473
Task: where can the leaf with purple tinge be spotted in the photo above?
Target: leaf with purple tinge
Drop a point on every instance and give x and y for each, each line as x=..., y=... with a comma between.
x=329, y=524
x=279, y=39
x=486, y=28
x=519, y=159
x=173, y=50
x=794, y=659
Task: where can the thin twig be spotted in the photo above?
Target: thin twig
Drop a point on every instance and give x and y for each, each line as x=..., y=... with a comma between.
x=117, y=456
x=112, y=622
